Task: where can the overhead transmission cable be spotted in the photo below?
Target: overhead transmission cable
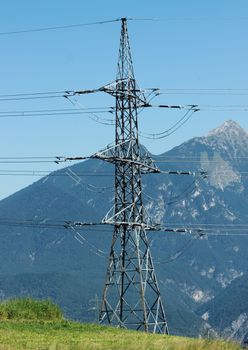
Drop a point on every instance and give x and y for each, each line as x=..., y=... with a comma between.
x=158, y=92
x=42, y=29
x=173, y=128
x=201, y=229
x=76, y=177
x=184, y=194
x=80, y=237
x=60, y=173
x=35, y=95
x=54, y=112
x=176, y=255
x=92, y=115
x=41, y=173
x=217, y=92
x=157, y=159
x=46, y=94
x=86, y=24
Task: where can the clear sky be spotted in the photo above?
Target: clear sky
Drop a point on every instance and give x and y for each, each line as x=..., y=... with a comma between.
x=195, y=45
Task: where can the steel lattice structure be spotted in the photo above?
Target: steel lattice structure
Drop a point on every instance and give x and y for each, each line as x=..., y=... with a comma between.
x=131, y=296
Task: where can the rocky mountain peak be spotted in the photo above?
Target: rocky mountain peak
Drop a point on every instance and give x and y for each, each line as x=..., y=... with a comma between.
x=228, y=138
x=229, y=128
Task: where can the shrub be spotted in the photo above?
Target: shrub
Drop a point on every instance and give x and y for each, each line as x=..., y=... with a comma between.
x=30, y=309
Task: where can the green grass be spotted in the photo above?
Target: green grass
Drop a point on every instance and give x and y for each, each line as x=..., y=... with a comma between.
x=65, y=335
x=39, y=325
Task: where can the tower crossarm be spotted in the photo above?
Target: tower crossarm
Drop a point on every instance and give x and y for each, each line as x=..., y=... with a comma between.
x=121, y=89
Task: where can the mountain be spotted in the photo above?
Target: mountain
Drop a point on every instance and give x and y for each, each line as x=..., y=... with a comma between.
x=193, y=271
x=228, y=310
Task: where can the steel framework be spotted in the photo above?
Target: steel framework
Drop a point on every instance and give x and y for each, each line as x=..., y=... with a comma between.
x=131, y=296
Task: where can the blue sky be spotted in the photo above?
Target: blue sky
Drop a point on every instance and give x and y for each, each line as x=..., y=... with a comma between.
x=196, y=45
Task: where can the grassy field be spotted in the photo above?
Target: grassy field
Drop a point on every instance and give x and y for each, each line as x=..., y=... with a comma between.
x=64, y=335
x=24, y=325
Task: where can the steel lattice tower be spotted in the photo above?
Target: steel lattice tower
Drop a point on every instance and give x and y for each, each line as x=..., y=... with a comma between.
x=131, y=297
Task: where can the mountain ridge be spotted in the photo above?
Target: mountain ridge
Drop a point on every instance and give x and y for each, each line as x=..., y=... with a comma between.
x=191, y=270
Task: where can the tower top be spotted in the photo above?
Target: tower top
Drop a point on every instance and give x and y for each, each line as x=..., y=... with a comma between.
x=125, y=64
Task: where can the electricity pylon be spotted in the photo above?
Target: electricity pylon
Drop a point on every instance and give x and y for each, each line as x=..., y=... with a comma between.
x=131, y=296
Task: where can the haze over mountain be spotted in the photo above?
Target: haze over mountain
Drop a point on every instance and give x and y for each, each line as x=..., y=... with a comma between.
x=197, y=275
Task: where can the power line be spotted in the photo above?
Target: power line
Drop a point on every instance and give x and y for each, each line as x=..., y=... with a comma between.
x=61, y=92
x=99, y=189
x=172, y=129
x=158, y=158
x=59, y=114
x=55, y=112
x=176, y=255
x=59, y=173
x=208, y=224
x=25, y=31
x=38, y=159
x=176, y=199
x=32, y=159
x=31, y=96
x=92, y=115
x=44, y=223
x=40, y=174
x=201, y=161
x=158, y=92
x=200, y=19
x=28, y=161
x=78, y=25
x=199, y=89
x=201, y=229
x=206, y=229
x=46, y=94
x=214, y=93
x=83, y=240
